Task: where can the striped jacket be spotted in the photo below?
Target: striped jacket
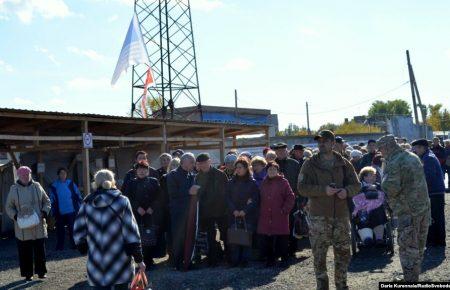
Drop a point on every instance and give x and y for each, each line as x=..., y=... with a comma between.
x=106, y=228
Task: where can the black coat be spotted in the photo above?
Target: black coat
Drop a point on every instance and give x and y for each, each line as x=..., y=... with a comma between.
x=145, y=193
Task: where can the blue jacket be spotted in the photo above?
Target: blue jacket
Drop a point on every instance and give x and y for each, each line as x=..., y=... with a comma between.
x=433, y=173
x=65, y=197
x=179, y=182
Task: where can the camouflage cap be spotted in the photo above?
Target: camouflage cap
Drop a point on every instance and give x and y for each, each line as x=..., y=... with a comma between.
x=387, y=140
x=325, y=134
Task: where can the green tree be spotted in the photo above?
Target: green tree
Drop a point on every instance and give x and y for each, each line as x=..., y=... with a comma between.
x=293, y=130
x=438, y=118
x=329, y=126
x=353, y=127
x=396, y=107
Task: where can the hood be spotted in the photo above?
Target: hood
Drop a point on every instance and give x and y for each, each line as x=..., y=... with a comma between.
x=102, y=197
x=315, y=160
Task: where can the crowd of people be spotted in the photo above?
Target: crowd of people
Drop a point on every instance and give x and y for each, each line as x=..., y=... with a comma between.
x=146, y=216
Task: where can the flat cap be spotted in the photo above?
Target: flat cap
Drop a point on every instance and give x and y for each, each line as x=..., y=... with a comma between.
x=339, y=139
x=178, y=152
x=299, y=147
x=421, y=142
x=326, y=134
x=387, y=140
x=202, y=157
x=280, y=145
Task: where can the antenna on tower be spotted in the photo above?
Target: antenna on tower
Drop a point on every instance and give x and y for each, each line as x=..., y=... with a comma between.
x=167, y=31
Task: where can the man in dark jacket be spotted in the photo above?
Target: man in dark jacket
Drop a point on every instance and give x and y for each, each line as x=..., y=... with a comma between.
x=290, y=169
x=179, y=185
x=66, y=201
x=297, y=154
x=339, y=147
x=436, y=191
x=367, y=159
x=447, y=162
x=328, y=179
x=212, y=204
x=439, y=152
x=140, y=156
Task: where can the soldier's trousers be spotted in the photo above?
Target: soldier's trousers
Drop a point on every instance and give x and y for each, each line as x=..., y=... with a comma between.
x=324, y=232
x=412, y=237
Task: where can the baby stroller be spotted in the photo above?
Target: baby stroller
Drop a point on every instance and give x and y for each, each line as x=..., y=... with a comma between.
x=361, y=220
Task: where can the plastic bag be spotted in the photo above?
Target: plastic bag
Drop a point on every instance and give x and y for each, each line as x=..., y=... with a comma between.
x=139, y=282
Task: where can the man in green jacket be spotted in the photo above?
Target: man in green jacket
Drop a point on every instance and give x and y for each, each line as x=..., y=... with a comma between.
x=328, y=180
x=406, y=188
x=212, y=205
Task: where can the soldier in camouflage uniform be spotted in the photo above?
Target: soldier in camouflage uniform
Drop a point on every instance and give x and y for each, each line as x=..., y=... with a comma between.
x=406, y=188
x=328, y=179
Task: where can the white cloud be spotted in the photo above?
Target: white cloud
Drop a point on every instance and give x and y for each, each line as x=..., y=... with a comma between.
x=23, y=102
x=113, y=18
x=25, y=10
x=5, y=66
x=238, y=64
x=56, y=90
x=206, y=5
x=48, y=54
x=308, y=31
x=201, y=5
x=89, y=53
x=57, y=102
x=89, y=84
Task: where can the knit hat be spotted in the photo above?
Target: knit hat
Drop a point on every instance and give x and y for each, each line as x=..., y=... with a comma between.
x=23, y=171
x=356, y=153
x=202, y=157
x=230, y=158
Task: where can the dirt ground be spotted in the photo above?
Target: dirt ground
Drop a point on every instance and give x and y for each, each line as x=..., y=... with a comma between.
x=66, y=270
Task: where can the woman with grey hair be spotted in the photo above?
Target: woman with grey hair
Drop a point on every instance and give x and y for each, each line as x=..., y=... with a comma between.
x=104, y=228
x=164, y=160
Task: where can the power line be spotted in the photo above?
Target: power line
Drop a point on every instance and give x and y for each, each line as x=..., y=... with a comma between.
x=338, y=109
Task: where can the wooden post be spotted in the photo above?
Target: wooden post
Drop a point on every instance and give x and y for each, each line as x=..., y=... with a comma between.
x=222, y=145
x=14, y=159
x=164, y=144
x=234, y=141
x=267, y=137
x=41, y=175
x=85, y=160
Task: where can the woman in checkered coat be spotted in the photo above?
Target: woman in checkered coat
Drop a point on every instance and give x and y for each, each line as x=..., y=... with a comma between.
x=106, y=229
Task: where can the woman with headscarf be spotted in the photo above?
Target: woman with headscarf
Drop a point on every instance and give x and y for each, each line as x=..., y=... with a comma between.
x=28, y=205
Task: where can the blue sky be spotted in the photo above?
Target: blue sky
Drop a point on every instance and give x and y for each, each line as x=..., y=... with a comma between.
x=338, y=55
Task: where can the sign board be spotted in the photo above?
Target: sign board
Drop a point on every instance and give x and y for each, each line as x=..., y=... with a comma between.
x=99, y=163
x=41, y=168
x=112, y=163
x=87, y=141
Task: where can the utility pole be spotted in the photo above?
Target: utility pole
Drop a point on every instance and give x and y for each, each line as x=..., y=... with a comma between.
x=417, y=102
x=307, y=118
x=236, y=115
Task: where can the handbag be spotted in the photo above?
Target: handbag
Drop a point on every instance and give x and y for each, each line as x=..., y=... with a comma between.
x=239, y=237
x=201, y=243
x=27, y=218
x=139, y=282
x=148, y=234
x=301, y=224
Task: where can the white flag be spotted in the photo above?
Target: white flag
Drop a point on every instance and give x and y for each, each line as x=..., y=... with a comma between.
x=133, y=50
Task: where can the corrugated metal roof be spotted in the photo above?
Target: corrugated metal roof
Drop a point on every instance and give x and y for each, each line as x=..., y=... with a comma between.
x=92, y=115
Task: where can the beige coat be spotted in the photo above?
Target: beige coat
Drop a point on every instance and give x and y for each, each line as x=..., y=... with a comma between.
x=20, y=197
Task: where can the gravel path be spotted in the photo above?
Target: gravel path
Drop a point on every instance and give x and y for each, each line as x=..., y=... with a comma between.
x=67, y=271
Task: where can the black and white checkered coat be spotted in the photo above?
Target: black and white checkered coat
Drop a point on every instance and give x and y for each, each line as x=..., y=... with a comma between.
x=106, y=222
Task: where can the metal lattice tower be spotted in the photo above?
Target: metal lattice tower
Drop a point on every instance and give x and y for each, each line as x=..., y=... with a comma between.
x=167, y=31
